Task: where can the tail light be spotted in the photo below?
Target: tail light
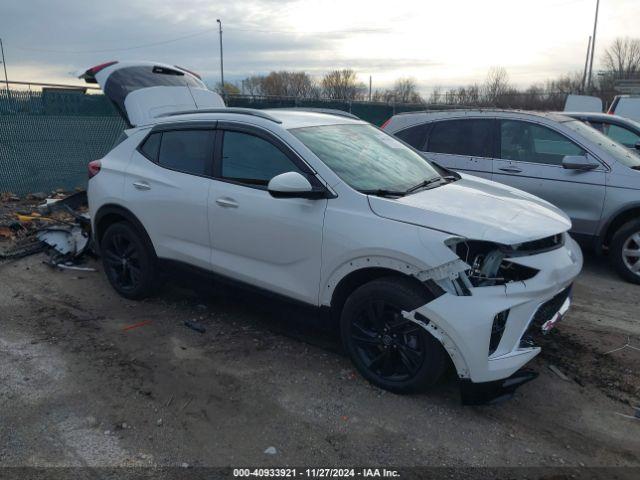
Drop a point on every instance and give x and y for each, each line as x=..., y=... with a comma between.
x=386, y=123
x=94, y=168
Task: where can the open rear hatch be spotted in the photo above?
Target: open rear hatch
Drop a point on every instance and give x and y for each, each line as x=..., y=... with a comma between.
x=142, y=91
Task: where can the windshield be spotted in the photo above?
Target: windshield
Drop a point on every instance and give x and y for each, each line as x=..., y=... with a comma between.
x=366, y=158
x=617, y=151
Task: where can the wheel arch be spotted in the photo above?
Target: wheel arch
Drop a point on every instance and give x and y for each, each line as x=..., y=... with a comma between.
x=112, y=213
x=356, y=273
x=618, y=220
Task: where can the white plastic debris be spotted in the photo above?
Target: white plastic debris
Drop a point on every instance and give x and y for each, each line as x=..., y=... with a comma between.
x=66, y=241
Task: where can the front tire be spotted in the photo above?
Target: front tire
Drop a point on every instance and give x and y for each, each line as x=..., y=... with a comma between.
x=390, y=351
x=625, y=251
x=128, y=262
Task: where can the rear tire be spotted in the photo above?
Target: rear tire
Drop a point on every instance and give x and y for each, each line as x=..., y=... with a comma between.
x=391, y=352
x=129, y=263
x=625, y=251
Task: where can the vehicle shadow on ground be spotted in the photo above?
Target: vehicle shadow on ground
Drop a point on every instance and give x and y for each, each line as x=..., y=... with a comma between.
x=304, y=324
x=273, y=314
x=254, y=308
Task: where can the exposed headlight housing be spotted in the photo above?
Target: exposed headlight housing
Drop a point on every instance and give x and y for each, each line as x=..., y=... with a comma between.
x=488, y=261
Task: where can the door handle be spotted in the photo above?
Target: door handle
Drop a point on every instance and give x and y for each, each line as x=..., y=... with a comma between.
x=226, y=203
x=142, y=185
x=510, y=169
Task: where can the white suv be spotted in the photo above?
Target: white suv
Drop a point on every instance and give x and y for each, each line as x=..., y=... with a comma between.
x=420, y=265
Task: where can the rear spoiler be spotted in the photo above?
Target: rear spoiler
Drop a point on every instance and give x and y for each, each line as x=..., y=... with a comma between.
x=90, y=75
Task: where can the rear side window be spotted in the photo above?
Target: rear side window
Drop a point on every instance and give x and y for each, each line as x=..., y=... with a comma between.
x=622, y=135
x=415, y=136
x=252, y=160
x=529, y=142
x=188, y=151
x=151, y=147
x=462, y=137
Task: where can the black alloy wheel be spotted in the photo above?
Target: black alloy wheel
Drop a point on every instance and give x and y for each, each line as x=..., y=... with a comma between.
x=128, y=263
x=389, y=350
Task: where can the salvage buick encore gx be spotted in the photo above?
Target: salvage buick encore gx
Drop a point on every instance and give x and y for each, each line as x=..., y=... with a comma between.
x=422, y=267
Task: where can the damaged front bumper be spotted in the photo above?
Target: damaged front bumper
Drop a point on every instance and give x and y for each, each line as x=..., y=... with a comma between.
x=486, y=332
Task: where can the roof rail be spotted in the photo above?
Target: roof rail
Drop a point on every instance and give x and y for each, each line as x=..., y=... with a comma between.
x=476, y=109
x=241, y=111
x=328, y=111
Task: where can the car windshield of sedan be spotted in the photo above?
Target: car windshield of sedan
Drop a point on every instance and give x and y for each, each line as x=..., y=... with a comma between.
x=366, y=158
x=616, y=150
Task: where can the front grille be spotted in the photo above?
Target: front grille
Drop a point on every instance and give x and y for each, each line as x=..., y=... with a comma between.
x=545, y=312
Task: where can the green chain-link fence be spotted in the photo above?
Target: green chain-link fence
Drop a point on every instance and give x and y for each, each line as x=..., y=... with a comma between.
x=48, y=137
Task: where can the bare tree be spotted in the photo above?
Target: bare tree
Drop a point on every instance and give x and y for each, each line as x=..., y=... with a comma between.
x=229, y=89
x=436, y=95
x=622, y=59
x=405, y=90
x=496, y=86
x=282, y=84
x=342, y=85
x=301, y=85
x=253, y=85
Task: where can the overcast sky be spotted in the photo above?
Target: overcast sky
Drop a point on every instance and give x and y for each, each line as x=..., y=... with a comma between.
x=439, y=43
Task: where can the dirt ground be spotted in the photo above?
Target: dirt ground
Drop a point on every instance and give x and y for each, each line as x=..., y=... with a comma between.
x=77, y=388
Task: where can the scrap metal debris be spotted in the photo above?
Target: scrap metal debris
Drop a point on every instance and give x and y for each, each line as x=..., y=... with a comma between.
x=58, y=224
x=635, y=416
x=193, y=325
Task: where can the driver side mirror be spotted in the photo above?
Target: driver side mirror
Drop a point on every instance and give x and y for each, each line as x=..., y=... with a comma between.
x=579, y=162
x=637, y=145
x=294, y=185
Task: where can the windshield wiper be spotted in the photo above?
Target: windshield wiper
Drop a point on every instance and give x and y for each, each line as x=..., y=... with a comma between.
x=381, y=192
x=423, y=184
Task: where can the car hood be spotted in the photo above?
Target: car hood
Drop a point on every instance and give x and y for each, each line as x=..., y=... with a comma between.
x=477, y=209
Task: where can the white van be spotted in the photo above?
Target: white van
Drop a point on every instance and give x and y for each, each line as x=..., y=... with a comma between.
x=626, y=106
x=583, y=103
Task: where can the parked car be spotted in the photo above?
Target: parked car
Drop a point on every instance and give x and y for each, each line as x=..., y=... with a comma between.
x=595, y=180
x=420, y=266
x=627, y=106
x=619, y=129
x=583, y=103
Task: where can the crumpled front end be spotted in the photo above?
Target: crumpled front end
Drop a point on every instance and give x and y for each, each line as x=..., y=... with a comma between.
x=487, y=309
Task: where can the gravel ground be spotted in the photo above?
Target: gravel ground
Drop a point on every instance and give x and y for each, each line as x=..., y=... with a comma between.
x=77, y=388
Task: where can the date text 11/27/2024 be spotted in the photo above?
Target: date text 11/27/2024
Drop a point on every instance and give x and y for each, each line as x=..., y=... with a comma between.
x=316, y=472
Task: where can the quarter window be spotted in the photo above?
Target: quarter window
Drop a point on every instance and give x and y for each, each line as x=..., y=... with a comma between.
x=414, y=136
x=189, y=151
x=462, y=137
x=151, y=146
x=529, y=142
x=250, y=159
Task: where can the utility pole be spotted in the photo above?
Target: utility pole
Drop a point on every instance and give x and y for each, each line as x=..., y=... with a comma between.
x=221, y=57
x=369, y=87
x=586, y=65
x=593, y=47
x=4, y=64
